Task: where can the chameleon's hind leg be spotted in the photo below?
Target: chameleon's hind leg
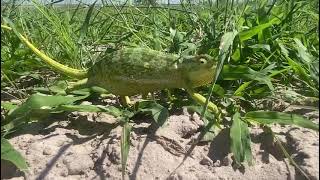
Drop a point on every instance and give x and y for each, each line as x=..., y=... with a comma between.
x=125, y=101
x=202, y=100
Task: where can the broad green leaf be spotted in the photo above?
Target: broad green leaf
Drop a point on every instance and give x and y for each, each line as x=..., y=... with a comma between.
x=218, y=90
x=269, y=117
x=82, y=108
x=118, y=113
x=225, y=44
x=159, y=113
x=59, y=88
x=297, y=67
x=8, y=105
x=261, y=46
x=283, y=49
x=41, y=101
x=125, y=145
x=302, y=52
x=231, y=72
x=236, y=55
x=10, y=154
x=308, y=60
x=243, y=72
x=190, y=47
x=239, y=91
x=299, y=70
x=99, y=90
x=227, y=41
x=248, y=34
x=37, y=106
x=240, y=140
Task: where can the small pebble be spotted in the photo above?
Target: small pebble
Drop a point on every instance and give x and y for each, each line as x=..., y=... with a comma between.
x=86, y=103
x=226, y=161
x=205, y=148
x=78, y=164
x=185, y=111
x=217, y=163
x=206, y=161
x=64, y=173
x=47, y=151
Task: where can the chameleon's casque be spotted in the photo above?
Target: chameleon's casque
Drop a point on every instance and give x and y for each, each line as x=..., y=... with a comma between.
x=132, y=71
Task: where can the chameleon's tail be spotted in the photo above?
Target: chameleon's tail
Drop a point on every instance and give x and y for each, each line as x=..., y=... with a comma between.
x=79, y=74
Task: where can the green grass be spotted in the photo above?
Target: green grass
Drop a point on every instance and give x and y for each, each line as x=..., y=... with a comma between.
x=261, y=46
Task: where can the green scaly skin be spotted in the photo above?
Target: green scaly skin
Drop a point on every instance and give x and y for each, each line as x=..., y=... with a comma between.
x=133, y=71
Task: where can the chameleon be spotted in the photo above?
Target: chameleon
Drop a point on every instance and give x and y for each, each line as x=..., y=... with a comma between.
x=130, y=71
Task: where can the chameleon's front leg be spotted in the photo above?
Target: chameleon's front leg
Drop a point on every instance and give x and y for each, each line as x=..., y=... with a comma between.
x=202, y=100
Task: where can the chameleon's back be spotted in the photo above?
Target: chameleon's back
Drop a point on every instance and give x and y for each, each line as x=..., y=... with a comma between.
x=136, y=70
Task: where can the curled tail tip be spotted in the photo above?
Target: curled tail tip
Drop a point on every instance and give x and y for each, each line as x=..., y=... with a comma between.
x=75, y=73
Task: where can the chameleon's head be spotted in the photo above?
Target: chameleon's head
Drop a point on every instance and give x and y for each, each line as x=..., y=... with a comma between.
x=199, y=69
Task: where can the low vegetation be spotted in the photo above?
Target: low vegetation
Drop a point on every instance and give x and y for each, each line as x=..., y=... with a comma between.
x=264, y=49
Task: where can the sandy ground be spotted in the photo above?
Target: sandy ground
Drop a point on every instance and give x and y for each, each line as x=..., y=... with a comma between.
x=87, y=146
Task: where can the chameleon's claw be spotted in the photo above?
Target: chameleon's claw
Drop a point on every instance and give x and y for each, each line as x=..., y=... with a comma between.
x=125, y=101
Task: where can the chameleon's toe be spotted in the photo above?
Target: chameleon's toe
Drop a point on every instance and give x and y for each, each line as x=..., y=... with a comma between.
x=125, y=101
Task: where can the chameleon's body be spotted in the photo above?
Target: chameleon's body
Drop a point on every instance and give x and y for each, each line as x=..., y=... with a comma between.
x=131, y=71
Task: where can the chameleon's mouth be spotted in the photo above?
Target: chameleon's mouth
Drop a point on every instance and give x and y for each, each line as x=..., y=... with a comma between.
x=202, y=77
x=212, y=67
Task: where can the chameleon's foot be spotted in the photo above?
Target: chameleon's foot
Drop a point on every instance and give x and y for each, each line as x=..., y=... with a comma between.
x=202, y=100
x=125, y=101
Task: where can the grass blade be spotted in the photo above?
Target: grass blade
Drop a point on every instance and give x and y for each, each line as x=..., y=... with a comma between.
x=85, y=25
x=10, y=154
x=225, y=44
x=268, y=117
x=240, y=140
x=37, y=106
x=245, y=35
x=125, y=145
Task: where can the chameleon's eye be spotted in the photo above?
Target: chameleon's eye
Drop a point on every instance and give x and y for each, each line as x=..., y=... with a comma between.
x=203, y=61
